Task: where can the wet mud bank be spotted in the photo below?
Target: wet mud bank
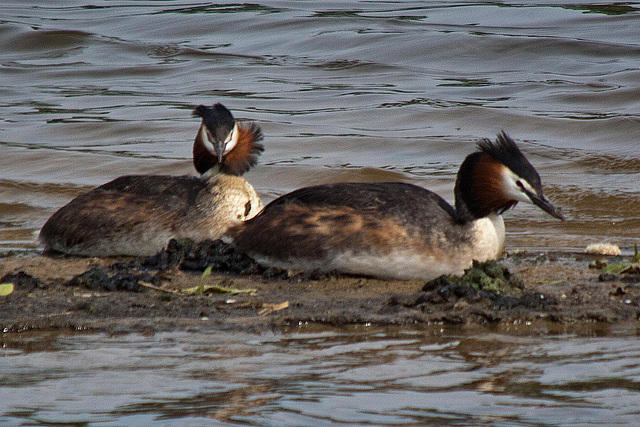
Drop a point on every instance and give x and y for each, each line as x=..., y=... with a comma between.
x=210, y=286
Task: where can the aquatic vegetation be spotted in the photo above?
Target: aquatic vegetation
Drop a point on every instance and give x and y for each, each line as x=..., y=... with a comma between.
x=632, y=267
x=488, y=276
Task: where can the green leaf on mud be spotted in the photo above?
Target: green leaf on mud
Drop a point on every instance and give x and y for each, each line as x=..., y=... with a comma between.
x=620, y=268
x=215, y=289
x=6, y=289
x=206, y=272
x=200, y=289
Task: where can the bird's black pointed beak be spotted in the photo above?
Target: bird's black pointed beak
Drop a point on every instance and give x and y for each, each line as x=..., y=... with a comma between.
x=545, y=205
x=217, y=143
x=219, y=147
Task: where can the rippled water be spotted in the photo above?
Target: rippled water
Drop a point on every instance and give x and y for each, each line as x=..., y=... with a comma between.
x=368, y=90
x=433, y=376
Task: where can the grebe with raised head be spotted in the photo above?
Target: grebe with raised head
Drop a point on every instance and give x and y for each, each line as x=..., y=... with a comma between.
x=138, y=214
x=396, y=230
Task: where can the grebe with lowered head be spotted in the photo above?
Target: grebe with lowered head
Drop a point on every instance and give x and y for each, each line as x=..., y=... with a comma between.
x=138, y=214
x=396, y=230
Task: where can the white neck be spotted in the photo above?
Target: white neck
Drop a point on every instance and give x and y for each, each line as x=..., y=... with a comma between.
x=488, y=238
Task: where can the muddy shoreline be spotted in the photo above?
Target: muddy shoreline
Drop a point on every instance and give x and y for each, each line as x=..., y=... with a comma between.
x=555, y=291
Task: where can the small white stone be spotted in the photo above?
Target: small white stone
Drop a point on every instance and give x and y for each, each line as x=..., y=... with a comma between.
x=602, y=249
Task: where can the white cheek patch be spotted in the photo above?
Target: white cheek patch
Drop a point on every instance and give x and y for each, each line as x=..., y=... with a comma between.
x=206, y=141
x=232, y=140
x=511, y=188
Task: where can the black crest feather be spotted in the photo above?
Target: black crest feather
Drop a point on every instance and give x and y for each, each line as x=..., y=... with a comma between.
x=505, y=150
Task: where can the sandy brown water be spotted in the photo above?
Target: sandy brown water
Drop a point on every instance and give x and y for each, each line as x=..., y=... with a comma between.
x=359, y=91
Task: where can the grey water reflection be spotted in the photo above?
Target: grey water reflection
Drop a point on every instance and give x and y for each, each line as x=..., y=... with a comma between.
x=434, y=375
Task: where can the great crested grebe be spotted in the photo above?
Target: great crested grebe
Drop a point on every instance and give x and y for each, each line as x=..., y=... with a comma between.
x=138, y=214
x=395, y=230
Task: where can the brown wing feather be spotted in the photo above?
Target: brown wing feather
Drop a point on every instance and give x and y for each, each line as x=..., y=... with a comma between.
x=313, y=232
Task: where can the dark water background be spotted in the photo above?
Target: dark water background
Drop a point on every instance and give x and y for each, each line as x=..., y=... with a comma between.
x=366, y=91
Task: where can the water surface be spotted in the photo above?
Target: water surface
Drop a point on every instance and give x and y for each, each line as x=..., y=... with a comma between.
x=363, y=376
